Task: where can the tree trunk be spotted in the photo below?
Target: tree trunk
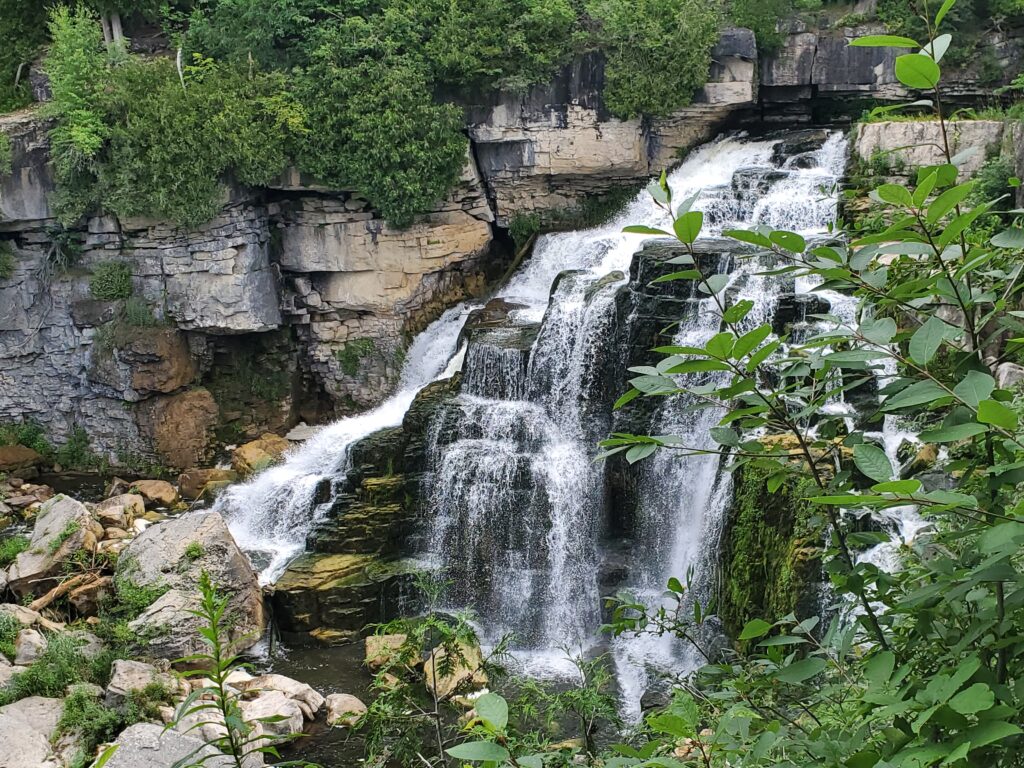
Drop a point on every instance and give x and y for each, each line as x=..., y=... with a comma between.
x=105, y=23
x=115, y=28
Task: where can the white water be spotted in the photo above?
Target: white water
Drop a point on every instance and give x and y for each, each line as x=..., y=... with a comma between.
x=271, y=514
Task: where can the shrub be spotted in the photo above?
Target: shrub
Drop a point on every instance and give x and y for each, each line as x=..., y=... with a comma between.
x=28, y=433
x=6, y=154
x=22, y=34
x=10, y=548
x=77, y=453
x=9, y=629
x=658, y=52
x=111, y=280
x=59, y=666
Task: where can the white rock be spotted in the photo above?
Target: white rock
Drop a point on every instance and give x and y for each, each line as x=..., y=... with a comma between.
x=274, y=704
x=127, y=676
x=1009, y=375
x=344, y=709
x=29, y=645
x=26, y=727
x=147, y=745
x=305, y=695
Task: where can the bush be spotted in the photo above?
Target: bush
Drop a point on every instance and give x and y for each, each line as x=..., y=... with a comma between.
x=28, y=433
x=6, y=155
x=10, y=548
x=9, y=629
x=658, y=52
x=22, y=35
x=59, y=666
x=111, y=280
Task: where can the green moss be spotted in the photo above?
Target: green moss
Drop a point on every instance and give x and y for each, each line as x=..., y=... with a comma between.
x=770, y=545
x=352, y=353
x=77, y=453
x=66, y=533
x=7, y=262
x=111, y=280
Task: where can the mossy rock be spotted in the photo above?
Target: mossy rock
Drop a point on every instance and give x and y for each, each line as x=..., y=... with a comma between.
x=770, y=556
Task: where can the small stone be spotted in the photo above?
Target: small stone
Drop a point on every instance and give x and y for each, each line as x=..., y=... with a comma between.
x=464, y=674
x=308, y=699
x=29, y=645
x=86, y=599
x=1009, y=375
x=344, y=710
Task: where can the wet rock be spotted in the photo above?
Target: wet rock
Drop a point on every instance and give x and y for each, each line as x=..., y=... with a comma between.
x=157, y=492
x=119, y=511
x=197, y=483
x=445, y=677
x=127, y=676
x=26, y=727
x=149, y=745
x=258, y=454
x=307, y=698
x=381, y=649
x=923, y=460
x=19, y=460
x=63, y=528
x=161, y=557
x=344, y=710
x=29, y=645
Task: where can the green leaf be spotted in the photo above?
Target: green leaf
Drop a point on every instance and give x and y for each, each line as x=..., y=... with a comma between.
x=916, y=70
x=791, y=241
x=953, y=433
x=879, y=331
x=897, y=486
x=629, y=397
x=755, y=629
x=977, y=698
x=738, y=311
x=896, y=194
x=879, y=667
x=801, y=670
x=720, y=345
x=686, y=274
x=884, y=41
x=946, y=7
x=748, y=236
x=748, y=341
x=658, y=192
x=493, y=710
x=479, y=751
x=916, y=394
x=975, y=387
x=937, y=48
x=688, y=226
x=1009, y=238
x=997, y=414
x=714, y=284
x=927, y=339
x=639, y=229
x=872, y=461
x=991, y=732
x=640, y=452
x=725, y=436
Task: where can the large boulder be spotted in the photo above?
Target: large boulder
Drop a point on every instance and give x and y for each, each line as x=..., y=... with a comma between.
x=120, y=511
x=308, y=699
x=156, y=492
x=445, y=677
x=344, y=710
x=196, y=483
x=280, y=717
x=63, y=528
x=258, y=454
x=29, y=645
x=146, y=745
x=127, y=676
x=171, y=555
x=26, y=727
x=19, y=461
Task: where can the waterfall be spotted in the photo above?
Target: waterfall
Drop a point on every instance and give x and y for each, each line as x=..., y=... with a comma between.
x=271, y=514
x=516, y=511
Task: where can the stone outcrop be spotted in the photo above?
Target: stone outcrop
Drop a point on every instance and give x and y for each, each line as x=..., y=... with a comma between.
x=913, y=144
x=147, y=744
x=170, y=556
x=344, y=710
x=26, y=727
x=127, y=676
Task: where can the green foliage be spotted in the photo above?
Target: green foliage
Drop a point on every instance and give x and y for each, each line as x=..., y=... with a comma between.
x=658, y=52
x=7, y=262
x=352, y=353
x=194, y=551
x=60, y=665
x=22, y=35
x=9, y=629
x=922, y=665
x=762, y=16
x=76, y=453
x=28, y=433
x=111, y=280
x=10, y=548
x=6, y=155
x=216, y=704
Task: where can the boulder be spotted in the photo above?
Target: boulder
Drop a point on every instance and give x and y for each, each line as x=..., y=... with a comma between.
x=157, y=492
x=26, y=727
x=462, y=674
x=29, y=645
x=196, y=483
x=127, y=676
x=307, y=698
x=381, y=648
x=120, y=511
x=19, y=460
x=258, y=454
x=344, y=710
x=146, y=745
x=1009, y=375
x=63, y=528
x=160, y=558
x=280, y=716
x=179, y=426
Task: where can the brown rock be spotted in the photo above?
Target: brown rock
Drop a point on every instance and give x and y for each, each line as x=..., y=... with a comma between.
x=259, y=454
x=380, y=649
x=112, y=534
x=86, y=598
x=446, y=677
x=119, y=511
x=196, y=483
x=145, y=360
x=179, y=426
x=158, y=492
x=20, y=460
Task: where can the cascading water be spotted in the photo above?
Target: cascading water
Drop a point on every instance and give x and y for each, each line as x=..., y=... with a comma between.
x=517, y=511
x=271, y=514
